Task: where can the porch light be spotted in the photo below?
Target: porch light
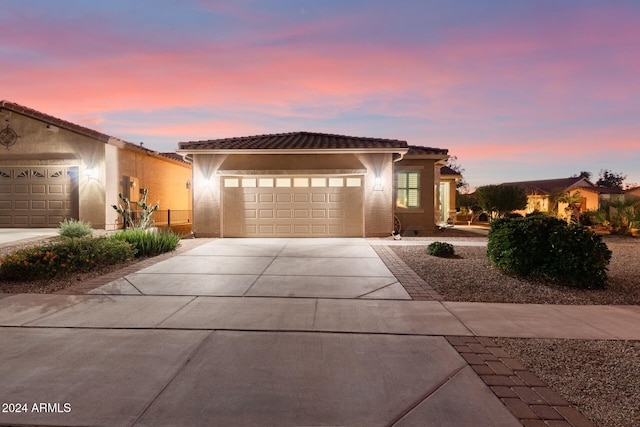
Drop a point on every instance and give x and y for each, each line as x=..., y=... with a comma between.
x=91, y=173
x=377, y=184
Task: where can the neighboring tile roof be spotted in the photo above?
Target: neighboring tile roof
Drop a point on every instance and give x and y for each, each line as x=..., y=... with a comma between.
x=174, y=156
x=26, y=111
x=547, y=186
x=417, y=150
x=446, y=170
x=294, y=140
x=107, y=139
x=604, y=190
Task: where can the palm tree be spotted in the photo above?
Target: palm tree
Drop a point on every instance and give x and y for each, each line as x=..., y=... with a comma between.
x=574, y=204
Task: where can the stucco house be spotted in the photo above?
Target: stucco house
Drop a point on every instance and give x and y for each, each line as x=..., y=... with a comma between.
x=543, y=194
x=51, y=169
x=304, y=184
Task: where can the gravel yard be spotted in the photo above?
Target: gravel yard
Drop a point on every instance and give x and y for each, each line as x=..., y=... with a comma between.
x=601, y=378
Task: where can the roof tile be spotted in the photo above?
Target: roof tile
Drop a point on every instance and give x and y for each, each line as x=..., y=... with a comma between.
x=294, y=140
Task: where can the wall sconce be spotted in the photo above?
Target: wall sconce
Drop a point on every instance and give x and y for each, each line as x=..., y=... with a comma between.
x=52, y=128
x=377, y=184
x=91, y=173
x=188, y=185
x=206, y=183
x=132, y=184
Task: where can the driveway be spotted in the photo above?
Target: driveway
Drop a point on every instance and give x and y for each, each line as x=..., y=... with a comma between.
x=9, y=236
x=258, y=332
x=298, y=268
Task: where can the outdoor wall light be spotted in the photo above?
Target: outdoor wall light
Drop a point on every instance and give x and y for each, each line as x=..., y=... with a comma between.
x=91, y=173
x=377, y=184
x=206, y=182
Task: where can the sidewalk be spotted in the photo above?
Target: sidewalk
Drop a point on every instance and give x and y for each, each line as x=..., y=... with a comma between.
x=132, y=354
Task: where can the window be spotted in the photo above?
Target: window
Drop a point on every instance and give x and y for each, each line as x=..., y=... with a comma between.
x=408, y=190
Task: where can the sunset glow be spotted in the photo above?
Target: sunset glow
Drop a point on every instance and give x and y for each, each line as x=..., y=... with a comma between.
x=516, y=90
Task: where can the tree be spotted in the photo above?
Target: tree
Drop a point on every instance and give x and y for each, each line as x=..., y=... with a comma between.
x=610, y=179
x=501, y=199
x=582, y=174
x=453, y=164
x=468, y=204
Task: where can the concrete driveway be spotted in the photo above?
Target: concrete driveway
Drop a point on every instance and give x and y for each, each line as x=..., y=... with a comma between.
x=9, y=236
x=268, y=332
x=300, y=268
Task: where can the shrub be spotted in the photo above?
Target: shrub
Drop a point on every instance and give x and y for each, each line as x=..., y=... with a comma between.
x=548, y=247
x=147, y=242
x=441, y=249
x=74, y=228
x=63, y=257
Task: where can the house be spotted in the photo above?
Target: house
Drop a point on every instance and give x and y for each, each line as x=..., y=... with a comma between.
x=304, y=184
x=543, y=195
x=51, y=169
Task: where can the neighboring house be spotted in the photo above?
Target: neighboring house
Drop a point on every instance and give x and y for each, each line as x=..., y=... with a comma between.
x=51, y=169
x=633, y=193
x=304, y=184
x=542, y=195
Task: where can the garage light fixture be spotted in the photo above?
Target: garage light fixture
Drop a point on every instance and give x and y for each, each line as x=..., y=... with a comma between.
x=377, y=184
x=91, y=173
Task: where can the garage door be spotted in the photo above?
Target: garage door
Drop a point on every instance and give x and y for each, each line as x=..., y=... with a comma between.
x=327, y=206
x=33, y=197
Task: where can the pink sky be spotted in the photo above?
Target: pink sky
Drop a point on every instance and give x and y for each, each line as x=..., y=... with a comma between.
x=516, y=90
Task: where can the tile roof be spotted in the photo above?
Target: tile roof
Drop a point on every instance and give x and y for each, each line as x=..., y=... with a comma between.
x=547, y=186
x=295, y=140
x=446, y=170
x=417, y=150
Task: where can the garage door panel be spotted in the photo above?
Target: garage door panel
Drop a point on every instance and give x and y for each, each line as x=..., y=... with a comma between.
x=280, y=207
x=318, y=197
x=39, y=205
x=56, y=189
x=5, y=189
x=21, y=205
x=21, y=189
x=5, y=220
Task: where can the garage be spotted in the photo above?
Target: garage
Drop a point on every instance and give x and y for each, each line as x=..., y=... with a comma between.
x=292, y=206
x=37, y=197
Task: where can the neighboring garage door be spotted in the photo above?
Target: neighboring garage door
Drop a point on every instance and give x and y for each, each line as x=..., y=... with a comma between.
x=292, y=206
x=36, y=197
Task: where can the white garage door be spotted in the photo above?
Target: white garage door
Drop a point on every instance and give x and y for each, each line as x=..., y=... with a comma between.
x=292, y=206
x=36, y=197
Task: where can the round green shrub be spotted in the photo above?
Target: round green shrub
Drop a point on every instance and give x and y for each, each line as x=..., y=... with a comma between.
x=440, y=249
x=547, y=247
x=74, y=228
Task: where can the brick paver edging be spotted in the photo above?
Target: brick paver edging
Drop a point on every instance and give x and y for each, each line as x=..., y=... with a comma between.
x=527, y=397
x=417, y=288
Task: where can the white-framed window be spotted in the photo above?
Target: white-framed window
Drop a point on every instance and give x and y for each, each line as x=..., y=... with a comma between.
x=408, y=190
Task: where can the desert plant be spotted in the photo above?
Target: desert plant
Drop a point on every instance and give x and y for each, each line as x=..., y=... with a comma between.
x=499, y=200
x=548, y=247
x=74, y=228
x=146, y=211
x=64, y=256
x=149, y=243
x=440, y=249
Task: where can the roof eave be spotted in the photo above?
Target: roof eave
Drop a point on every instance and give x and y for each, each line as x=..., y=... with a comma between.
x=291, y=150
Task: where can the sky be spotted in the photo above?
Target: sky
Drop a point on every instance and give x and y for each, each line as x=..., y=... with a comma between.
x=515, y=89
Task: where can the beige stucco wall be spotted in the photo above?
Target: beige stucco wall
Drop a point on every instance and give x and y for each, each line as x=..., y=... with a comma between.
x=37, y=146
x=165, y=179
x=207, y=203
x=422, y=220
